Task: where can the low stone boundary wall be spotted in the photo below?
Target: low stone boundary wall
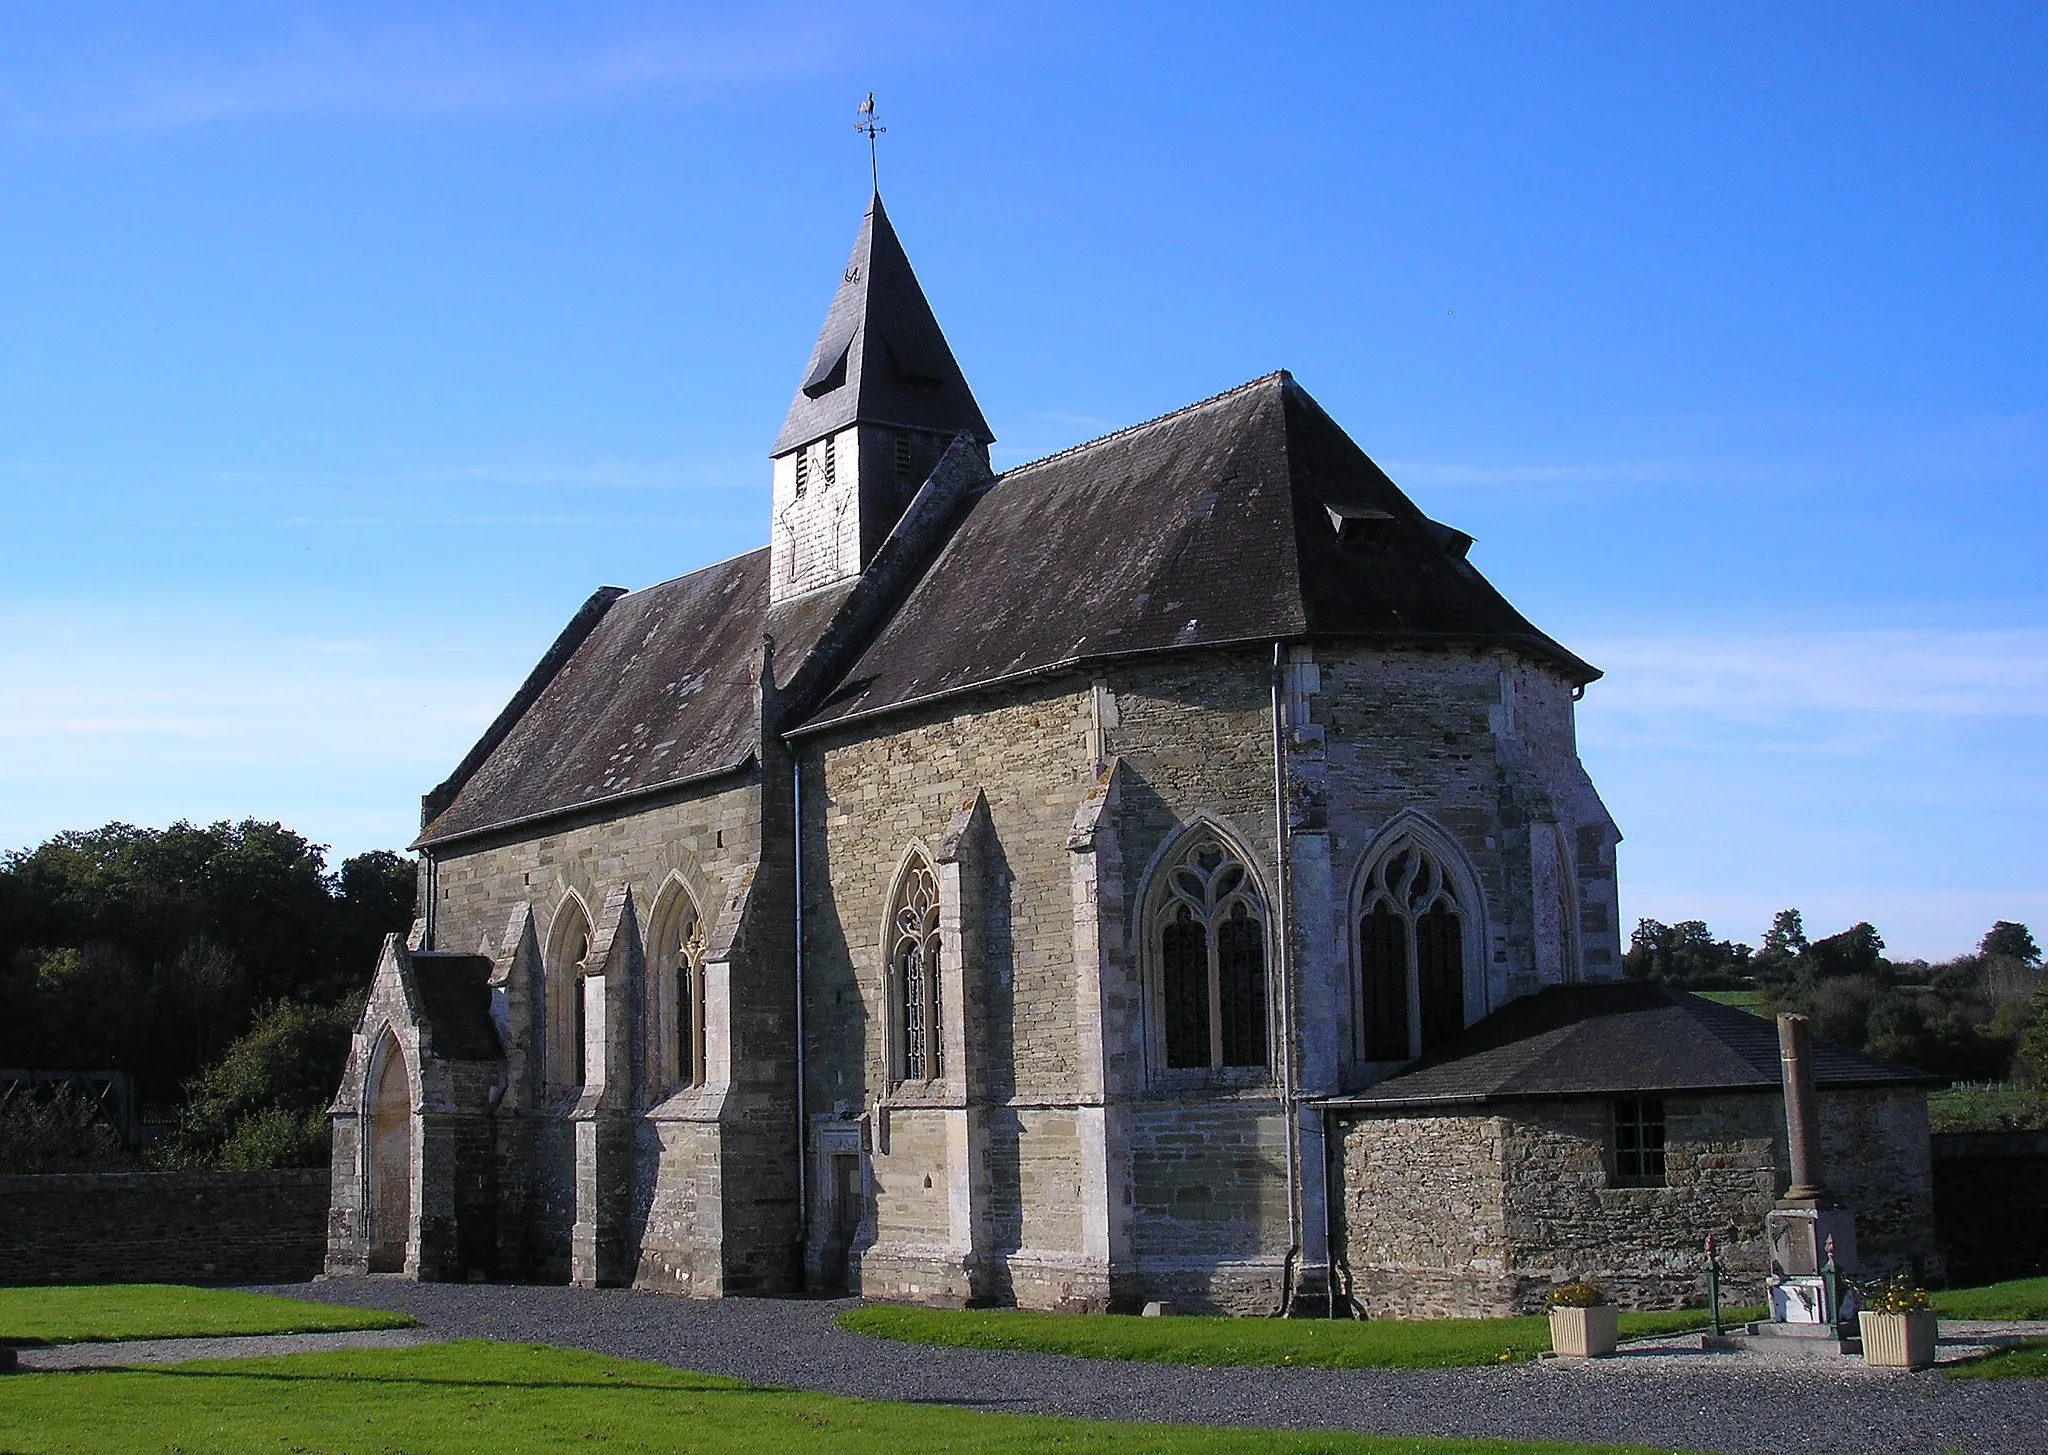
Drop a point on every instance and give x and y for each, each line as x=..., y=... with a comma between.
x=163, y=1227
x=1991, y=1204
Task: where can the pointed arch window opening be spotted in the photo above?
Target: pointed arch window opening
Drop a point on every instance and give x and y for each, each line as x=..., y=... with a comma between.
x=565, y=1018
x=1211, y=942
x=1411, y=955
x=688, y=984
x=914, y=967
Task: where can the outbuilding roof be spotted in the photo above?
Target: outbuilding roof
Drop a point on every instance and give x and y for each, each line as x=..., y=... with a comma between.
x=1615, y=1039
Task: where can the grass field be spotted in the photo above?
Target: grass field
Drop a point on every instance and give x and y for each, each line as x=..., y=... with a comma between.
x=2029, y=1361
x=94, y=1312
x=2023, y=1298
x=1749, y=1000
x=505, y=1399
x=1294, y=1343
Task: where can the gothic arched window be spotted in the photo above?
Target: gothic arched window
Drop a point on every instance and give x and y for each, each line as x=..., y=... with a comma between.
x=567, y=1026
x=676, y=994
x=914, y=973
x=1210, y=931
x=1411, y=955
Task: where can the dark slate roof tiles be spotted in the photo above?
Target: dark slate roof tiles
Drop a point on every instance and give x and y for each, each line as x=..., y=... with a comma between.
x=881, y=357
x=1615, y=1039
x=1209, y=526
x=455, y=1000
x=660, y=692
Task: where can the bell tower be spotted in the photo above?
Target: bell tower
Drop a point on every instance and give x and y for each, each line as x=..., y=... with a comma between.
x=879, y=402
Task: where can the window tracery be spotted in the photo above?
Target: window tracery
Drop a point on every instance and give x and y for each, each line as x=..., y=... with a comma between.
x=1411, y=955
x=1211, y=939
x=675, y=989
x=914, y=973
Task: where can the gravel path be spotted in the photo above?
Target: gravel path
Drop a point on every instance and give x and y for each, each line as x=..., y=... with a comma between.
x=53, y=1357
x=1713, y=1402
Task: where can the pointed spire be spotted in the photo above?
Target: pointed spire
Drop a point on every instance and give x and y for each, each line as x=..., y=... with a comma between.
x=881, y=357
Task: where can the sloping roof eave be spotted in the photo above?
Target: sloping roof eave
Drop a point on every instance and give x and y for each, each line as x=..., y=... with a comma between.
x=429, y=840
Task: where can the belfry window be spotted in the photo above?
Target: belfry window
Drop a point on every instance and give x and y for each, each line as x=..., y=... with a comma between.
x=902, y=459
x=1411, y=956
x=803, y=472
x=1211, y=942
x=831, y=462
x=914, y=974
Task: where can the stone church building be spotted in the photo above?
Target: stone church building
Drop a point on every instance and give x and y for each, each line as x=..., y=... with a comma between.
x=1163, y=870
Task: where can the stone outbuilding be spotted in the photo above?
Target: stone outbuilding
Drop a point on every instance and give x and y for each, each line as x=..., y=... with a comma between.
x=1604, y=1132
x=974, y=893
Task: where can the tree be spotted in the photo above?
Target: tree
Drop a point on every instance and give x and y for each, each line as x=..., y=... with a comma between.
x=1685, y=954
x=1858, y=950
x=2011, y=941
x=149, y=950
x=264, y=1103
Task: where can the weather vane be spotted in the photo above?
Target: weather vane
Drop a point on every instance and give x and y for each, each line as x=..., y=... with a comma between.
x=864, y=122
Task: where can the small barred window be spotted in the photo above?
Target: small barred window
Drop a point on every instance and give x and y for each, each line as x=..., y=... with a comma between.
x=1639, y=1141
x=831, y=463
x=803, y=472
x=903, y=459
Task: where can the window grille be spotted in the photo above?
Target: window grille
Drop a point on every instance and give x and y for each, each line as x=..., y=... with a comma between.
x=914, y=971
x=1639, y=1141
x=1211, y=940
x=1411, y=952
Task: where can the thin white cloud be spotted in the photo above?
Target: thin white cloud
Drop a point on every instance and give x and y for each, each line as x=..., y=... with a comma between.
x=1772, y=454
x=108, y=714
x=342, y=59
x=1946, y=674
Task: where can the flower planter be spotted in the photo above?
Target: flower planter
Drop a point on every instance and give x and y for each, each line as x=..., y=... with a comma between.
x=1898, y=1341
x=1585, y=1333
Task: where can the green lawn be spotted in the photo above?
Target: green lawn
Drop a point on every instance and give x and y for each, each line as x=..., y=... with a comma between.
x=504, y=1399
x=1298, y=1343
x=2023, y=1298
x=1749, y=1000
x=93, y=1312
x=2028, y=1361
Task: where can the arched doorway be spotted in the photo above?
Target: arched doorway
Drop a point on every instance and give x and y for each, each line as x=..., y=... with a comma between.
x=390, y=1161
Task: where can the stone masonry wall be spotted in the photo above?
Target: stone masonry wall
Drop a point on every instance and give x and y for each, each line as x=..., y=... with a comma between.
x=163, y=1227
x=1474, y=1214
x=707, y=847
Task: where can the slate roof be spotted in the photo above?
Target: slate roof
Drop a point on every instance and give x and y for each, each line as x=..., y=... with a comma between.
x=1248, y=517
x=658, y=692
x=1615, y=1039
x=881, y=357
x=455, y=1000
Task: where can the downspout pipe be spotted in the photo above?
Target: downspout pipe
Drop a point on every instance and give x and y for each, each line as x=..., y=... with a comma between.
x=803, y=1198
x=1281, y=840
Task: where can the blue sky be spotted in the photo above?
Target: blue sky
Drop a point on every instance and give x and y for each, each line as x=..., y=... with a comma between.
x=345, y=349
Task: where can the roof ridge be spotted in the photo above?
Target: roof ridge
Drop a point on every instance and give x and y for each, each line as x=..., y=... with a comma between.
x=1103, y=439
